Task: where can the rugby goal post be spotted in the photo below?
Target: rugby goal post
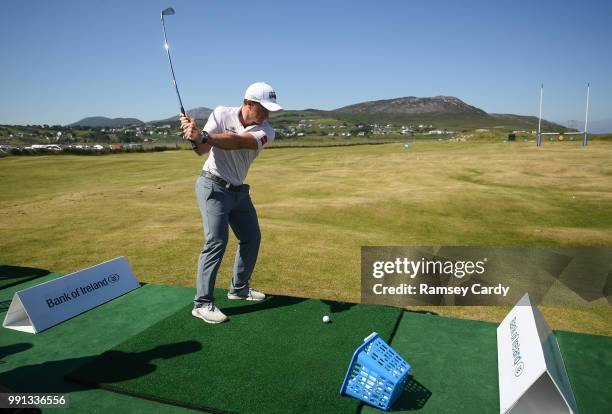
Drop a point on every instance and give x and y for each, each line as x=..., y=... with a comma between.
x=585, y=134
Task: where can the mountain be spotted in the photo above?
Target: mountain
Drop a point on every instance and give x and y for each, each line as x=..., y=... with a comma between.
x=412, y=105
x=103, y=122
x=529, y=122
x=200, y=112
x=440, y=111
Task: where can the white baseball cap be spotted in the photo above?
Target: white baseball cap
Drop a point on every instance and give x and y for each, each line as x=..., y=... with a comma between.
x=264, y=94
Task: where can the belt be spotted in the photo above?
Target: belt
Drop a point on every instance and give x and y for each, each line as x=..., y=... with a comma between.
x=222, y=182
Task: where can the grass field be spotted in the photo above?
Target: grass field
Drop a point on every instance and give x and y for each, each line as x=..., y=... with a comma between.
x=317, y=206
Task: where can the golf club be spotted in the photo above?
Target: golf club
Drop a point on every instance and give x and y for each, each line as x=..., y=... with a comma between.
x=168, y=12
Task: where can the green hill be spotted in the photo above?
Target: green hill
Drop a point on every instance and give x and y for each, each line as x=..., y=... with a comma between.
x=104, y=122
x=440, y=112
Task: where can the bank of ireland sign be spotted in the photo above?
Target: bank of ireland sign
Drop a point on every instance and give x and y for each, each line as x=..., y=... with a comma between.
x=47, y=304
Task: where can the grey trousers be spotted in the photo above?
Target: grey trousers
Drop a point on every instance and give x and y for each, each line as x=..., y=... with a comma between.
x=220, y=208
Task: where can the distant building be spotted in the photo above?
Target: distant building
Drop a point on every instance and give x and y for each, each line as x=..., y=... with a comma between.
x=441, y=132
x=133, y=147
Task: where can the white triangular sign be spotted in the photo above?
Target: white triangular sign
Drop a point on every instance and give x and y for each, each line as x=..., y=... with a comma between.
x=17, y=317
x=47, y=304
x=532, y=375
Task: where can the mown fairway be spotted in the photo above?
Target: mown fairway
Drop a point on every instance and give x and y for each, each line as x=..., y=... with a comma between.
x=317, y=206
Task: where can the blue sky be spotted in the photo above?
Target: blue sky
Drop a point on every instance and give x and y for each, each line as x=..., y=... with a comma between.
x=65, y=60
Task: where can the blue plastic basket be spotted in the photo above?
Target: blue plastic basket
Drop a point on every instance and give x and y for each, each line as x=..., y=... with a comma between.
x=377, y=374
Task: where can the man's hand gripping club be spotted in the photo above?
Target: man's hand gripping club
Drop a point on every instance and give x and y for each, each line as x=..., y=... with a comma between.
x=192, y=133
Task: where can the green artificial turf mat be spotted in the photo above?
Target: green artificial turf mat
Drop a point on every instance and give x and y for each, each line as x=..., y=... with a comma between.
x=454, y=366
x=271, y=357
x=588, y=361
x=90, y=401
x=13, y=275
x=38, y=363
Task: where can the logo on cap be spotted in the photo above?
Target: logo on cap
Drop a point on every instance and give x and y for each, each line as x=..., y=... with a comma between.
x=272, y=95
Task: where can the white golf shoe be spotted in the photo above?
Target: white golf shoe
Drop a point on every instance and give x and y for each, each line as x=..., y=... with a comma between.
x=209, y=313
x=252, y=295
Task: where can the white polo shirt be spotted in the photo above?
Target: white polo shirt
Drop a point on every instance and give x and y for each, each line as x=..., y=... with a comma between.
x=233, y=165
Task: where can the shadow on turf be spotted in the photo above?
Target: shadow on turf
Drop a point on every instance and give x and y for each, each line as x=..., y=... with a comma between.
x=13, y=349
x=13, y=275
x=423, y=312
x=337, y=307
x=110, y=367
x=414, y=396
x=270, y=303
x=4, y=305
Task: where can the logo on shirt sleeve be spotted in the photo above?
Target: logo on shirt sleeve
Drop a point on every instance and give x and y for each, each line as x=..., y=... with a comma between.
x=263, y=140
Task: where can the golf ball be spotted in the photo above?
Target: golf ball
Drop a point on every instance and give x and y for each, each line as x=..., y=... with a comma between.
x=326, y=319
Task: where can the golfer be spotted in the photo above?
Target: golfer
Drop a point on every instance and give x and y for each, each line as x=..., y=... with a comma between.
x=234, y=137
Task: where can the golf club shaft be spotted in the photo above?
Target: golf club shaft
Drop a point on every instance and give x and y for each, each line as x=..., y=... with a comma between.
x=167, y=47
x=194, y=146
